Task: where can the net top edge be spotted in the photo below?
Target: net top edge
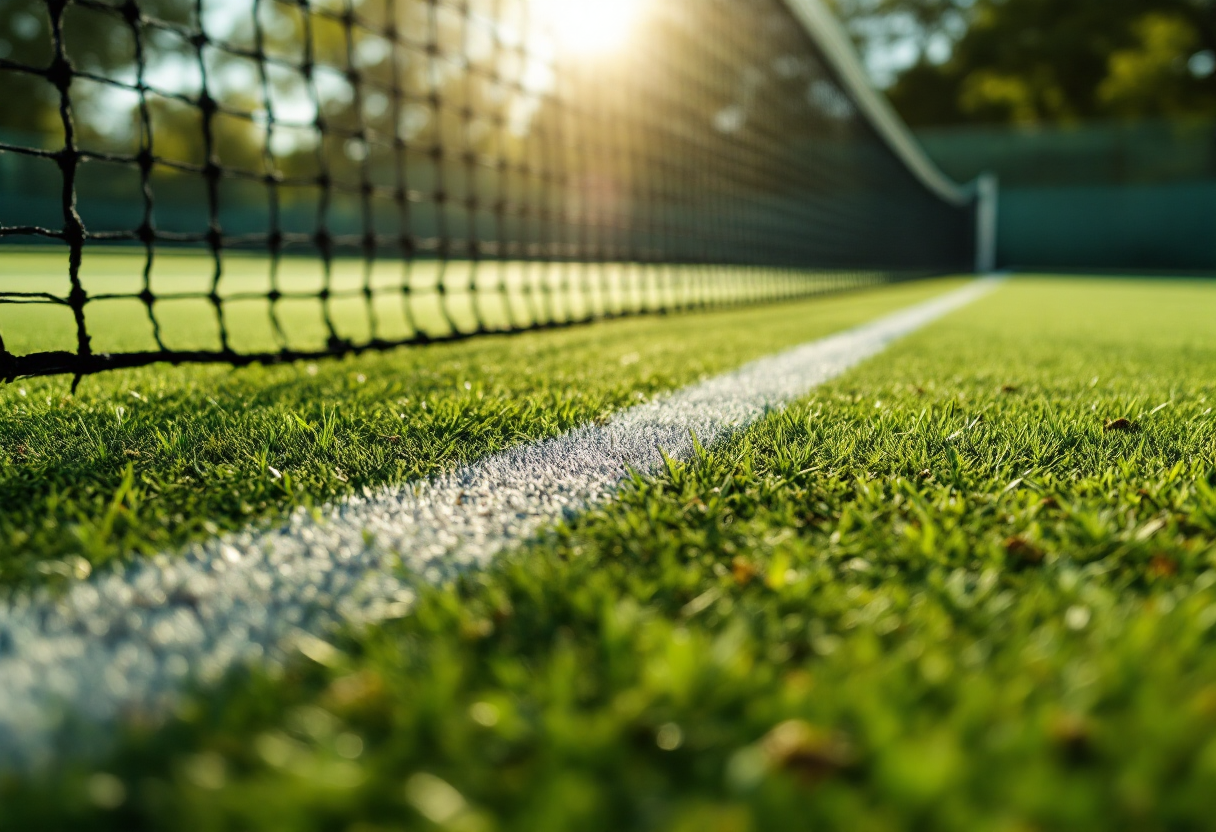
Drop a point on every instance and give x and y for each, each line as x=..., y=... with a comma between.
x=827, y=33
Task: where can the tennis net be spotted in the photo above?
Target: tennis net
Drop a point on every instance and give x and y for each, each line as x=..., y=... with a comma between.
x=263, y=180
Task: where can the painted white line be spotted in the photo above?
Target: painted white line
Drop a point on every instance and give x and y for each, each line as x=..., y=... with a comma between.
x=126, y=642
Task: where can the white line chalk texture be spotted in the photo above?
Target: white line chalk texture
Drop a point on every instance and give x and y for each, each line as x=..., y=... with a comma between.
x=127, y=641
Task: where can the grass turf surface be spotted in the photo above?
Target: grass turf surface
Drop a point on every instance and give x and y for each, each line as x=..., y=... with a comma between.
x=507, y=295
x=938, y=594
x=142, y=461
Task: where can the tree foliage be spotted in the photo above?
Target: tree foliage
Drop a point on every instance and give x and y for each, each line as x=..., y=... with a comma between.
x=1043, y=61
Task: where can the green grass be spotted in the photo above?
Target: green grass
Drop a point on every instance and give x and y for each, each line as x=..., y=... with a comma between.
x=508, y=294
x=937, y=594
x=143, y=461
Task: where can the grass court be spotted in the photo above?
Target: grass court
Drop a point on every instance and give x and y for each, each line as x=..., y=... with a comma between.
x=969, y=585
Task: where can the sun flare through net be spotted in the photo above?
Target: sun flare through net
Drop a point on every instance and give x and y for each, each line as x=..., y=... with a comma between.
x=261, y=180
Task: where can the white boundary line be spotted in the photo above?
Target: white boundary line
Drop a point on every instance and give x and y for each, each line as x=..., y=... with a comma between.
x=127, y=641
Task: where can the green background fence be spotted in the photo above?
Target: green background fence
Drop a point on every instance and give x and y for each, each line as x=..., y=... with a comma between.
x=1139, y=196
x=1131, y=197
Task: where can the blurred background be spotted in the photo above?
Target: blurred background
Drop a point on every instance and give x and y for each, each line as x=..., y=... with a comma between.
x=1098, y=116
x=578, y=130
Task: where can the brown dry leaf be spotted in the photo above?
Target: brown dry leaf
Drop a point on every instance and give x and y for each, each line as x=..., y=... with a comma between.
x=1162, y=566
x=476, y=629
x=807, y=750
x=696, y=503
x=1022, y=552
x=1120, y=426
x=1204, y=703
x=743, y=570
x=357, y=691
x=1073, y=735
x=800, y=681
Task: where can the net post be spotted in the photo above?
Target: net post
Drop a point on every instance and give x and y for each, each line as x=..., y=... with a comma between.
x=987, y=200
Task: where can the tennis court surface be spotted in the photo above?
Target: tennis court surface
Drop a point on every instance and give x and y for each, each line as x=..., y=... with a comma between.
x=522, y=415
x=949, y=585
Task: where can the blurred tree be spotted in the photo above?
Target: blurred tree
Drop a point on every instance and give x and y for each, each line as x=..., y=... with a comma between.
x=95, y=42
x=1041, y=61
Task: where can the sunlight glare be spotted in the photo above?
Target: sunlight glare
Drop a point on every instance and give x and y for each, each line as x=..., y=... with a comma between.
x=589, y=27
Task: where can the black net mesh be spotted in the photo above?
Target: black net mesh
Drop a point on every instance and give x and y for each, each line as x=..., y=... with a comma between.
x=256, y=180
